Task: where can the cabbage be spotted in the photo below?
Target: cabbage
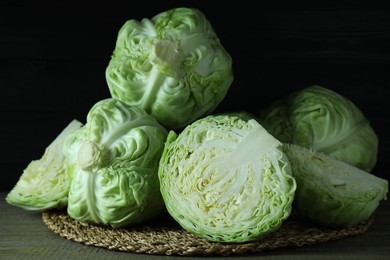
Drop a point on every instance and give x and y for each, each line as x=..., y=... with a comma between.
x=225, y=179
x=173, y=66
x=332, y=193
x=114, y=162
x=321, y=119
x=44, y=183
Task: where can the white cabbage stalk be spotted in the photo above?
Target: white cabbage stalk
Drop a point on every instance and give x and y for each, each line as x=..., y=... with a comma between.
x=225, y=179
x=330, y=192
x=173, y=66
x=44, y=183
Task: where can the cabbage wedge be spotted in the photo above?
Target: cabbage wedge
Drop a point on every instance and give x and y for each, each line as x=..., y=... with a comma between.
x=44, y=183
x=330, y=192
x=225, y=179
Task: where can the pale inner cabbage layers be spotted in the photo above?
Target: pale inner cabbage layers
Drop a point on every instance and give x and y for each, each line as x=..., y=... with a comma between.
x=44, y=183
x=226, y=180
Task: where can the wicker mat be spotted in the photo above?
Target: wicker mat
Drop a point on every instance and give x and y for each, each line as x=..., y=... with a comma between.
x=165, y=237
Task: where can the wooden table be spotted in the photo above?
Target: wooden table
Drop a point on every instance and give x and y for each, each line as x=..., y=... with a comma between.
x=23, y=235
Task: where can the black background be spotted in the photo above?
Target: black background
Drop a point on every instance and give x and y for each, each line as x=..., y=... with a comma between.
x=53, y=55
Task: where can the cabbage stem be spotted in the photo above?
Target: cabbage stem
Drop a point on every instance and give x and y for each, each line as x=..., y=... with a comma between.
x=255, y=144
x=91, y=156
x=168, y=52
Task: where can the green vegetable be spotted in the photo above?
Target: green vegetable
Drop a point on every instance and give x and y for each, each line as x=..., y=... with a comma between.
x=321, y=119
x=225, y=179
x=330, y=192
x=173, y=66
x=44, y=183
x=114, y=166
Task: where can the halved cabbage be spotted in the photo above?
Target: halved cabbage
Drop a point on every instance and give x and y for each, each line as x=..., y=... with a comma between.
x=44, y=183
x=330, y=192
x=225, y=179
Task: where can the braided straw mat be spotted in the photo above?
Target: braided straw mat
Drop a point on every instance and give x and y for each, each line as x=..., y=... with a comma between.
x=165, y=237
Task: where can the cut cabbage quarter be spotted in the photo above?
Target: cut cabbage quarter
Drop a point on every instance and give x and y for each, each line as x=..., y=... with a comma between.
x=225, y=179
x=330, y=192
x=44, y=183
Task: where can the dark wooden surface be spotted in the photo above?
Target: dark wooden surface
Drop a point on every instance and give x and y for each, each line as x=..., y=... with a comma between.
x=23, y=235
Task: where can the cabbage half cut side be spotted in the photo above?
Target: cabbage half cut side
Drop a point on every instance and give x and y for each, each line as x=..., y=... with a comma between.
x=226, y=180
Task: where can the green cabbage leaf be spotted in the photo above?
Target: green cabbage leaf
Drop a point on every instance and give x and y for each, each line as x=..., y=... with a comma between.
x=321, y=119
x=44, y=183
x=225, y=179
x=330, y=192
x=173, y=66
x=114, y=162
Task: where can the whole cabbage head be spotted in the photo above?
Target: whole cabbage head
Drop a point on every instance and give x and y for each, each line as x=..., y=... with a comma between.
x=323, y=120
x=44, y=183
x=114, y=162
x=225, y=179
x=330, y=192
x=173, y=66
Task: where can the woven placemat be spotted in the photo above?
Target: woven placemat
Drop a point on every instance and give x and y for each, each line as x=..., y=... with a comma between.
x=165, y=237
